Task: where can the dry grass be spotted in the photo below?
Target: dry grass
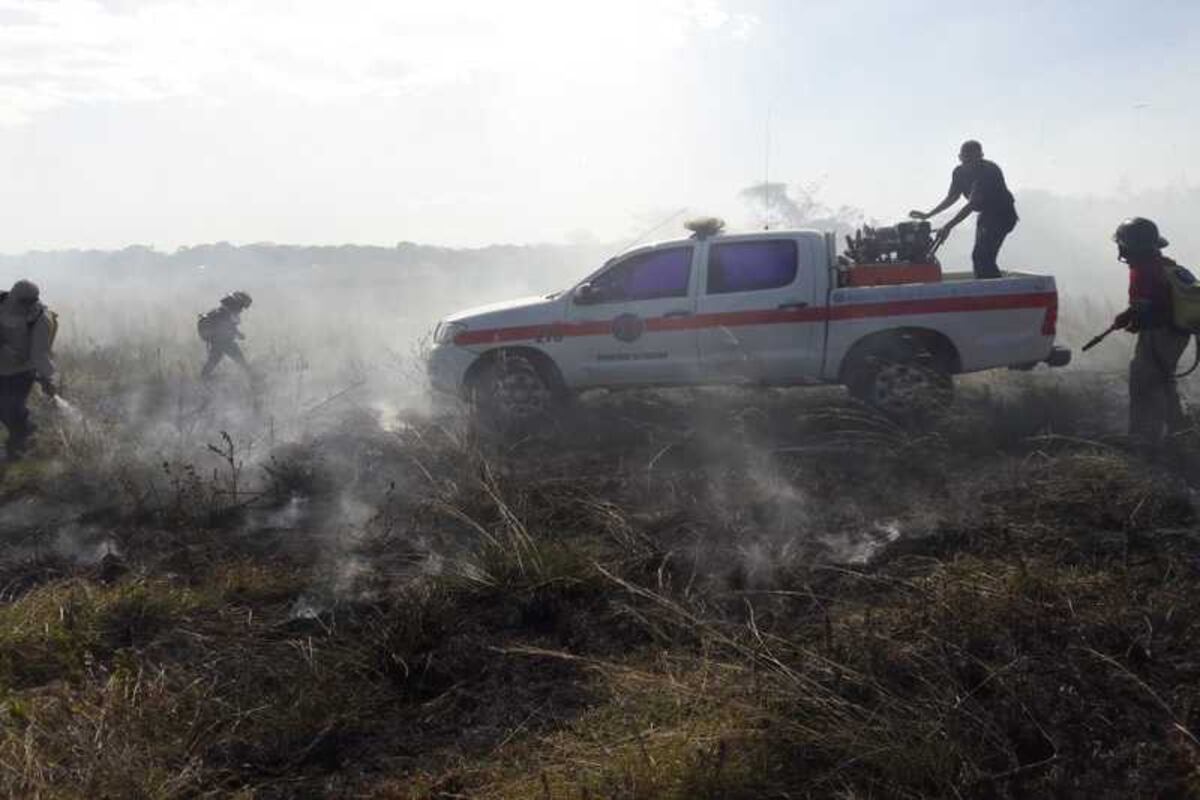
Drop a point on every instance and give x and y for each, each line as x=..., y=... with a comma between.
x=728, y=594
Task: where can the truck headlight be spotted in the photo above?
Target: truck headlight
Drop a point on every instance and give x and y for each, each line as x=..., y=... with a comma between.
x=446, y=331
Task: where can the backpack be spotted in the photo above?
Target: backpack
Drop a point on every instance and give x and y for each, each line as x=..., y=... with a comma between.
x=1185, y=297
x=208, y=324
x=51, y=322
x=1185, y=306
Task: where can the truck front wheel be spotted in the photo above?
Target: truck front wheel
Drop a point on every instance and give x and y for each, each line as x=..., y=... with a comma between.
x=511, y=392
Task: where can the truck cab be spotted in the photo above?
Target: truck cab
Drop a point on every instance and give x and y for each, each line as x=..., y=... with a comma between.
x=733, y=308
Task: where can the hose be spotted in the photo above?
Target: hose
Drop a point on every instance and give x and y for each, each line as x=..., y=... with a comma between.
x=1195, y=361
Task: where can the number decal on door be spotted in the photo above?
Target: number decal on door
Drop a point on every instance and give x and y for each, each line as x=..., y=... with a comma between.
x=549, y=335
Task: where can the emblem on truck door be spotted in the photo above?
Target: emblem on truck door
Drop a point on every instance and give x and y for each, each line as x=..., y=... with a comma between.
x=628, y=327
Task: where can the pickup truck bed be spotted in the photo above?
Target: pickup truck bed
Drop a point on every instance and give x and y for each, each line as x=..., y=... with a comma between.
x=1000, y=314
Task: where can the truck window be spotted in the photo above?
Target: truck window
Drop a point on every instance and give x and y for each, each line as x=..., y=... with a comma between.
x=751, y=266
x=647, y=276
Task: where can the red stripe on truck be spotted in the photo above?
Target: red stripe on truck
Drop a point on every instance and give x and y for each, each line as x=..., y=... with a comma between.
x=1050, y=322
x=944, y=305
x=733, y=319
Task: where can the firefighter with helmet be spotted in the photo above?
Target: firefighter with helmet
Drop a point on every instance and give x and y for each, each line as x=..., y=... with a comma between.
x=26, y=335
x=1154, y=406
x=219, y=330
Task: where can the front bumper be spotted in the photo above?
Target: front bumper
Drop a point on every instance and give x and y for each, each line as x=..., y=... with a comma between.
x=447, y=367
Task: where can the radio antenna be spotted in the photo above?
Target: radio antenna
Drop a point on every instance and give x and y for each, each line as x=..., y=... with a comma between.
x=766, y=185
x=637, y=239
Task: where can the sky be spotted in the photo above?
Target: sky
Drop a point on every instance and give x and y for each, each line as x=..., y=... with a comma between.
x=468, y=122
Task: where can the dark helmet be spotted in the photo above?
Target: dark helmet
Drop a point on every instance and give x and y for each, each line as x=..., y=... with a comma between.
x=25, y=291
x=1139, y=235
x=238, y=300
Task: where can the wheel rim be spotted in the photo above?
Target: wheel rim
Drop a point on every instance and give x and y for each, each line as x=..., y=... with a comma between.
x=520, y=393
x=909, y=389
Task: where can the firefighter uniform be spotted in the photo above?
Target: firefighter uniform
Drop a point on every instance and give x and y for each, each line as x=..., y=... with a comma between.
x=25, y=338
x=1154, y=406
x=219, y=330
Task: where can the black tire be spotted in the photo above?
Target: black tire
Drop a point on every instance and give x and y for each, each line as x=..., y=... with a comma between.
x=907, y=389
x=510, y=393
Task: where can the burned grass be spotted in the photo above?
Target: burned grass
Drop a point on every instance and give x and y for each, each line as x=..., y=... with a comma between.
x=669, y=594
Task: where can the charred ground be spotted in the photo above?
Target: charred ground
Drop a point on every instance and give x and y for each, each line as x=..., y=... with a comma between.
x=725, y=593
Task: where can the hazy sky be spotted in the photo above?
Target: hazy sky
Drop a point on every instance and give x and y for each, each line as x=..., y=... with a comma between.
x=464, y=122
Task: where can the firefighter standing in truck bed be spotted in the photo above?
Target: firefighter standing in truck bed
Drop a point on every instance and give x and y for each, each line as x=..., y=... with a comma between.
x=982, y=183
x=1154, y=406
x=219, y=330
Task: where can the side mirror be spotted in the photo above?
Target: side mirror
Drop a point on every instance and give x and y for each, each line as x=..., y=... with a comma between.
x=587, y=295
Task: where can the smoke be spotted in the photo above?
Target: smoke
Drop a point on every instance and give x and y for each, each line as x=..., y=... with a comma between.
x=315, y=451
x=33, y=529
x=304, y=452
x=85, y=545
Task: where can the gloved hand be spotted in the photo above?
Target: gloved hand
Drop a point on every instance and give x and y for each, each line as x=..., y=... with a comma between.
x=918, y=215
x=48, y=388
x=1125, y=320
x=942, y=235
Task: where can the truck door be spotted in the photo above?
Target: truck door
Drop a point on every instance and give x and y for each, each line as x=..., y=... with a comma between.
x=632, y=323
x=758, y=313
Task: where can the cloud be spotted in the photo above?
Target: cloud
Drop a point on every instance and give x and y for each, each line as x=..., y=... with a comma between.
x=55, y=54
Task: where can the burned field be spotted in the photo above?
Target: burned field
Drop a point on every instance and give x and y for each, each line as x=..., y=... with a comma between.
x=726, y=593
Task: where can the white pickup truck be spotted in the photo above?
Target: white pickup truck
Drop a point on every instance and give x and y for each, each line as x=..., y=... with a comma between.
x=763, y=308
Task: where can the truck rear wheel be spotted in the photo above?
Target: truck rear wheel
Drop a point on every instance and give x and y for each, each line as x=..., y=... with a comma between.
x=905, y=390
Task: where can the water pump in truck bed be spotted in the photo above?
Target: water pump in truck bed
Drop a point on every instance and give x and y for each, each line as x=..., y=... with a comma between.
x=901, y=253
